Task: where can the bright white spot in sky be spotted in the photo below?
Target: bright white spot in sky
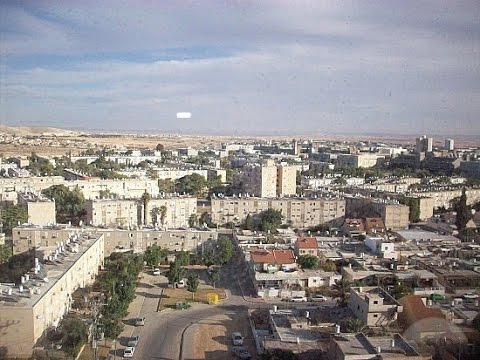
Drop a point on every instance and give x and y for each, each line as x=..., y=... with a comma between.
x=184, y=115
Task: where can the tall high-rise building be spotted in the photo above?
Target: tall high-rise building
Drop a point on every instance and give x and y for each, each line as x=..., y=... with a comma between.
x=424, y=144
x=449, y=144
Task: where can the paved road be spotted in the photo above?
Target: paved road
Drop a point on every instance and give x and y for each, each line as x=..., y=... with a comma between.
x=162, y=336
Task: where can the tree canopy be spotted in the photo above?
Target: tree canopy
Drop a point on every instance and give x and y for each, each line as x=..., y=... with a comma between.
x=11, y=216
x=224, y=250
x=308, y=261
x=463, y=212
x=155, y=254
x=69, y=204
x=193, y=184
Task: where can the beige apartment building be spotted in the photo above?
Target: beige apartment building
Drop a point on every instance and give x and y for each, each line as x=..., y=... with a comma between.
x=359, y=160
x=27, y=238
x=286, y=180
x=444, y=197
x=123, y=188
x=41, y=211
x=373, y=305
x=298, y=212
x=395, y=216
x=267, y=179
x=130, y=212
x=44, y=295
x=9, y=187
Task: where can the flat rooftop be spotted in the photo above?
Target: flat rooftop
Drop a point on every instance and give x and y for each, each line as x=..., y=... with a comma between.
x=47, y=275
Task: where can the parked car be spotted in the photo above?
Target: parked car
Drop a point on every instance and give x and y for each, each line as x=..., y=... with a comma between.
x=133, y=341
x=437, y=297
x=318, y=297
x=241, y=353
x=470, y=296
x=237, y=339
x=128, y=352
x=140, y=321
x=156, y=272
x=298, y=299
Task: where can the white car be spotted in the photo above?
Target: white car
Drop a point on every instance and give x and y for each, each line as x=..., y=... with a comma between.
x=298, y=299
x=470, y=296
x=128, y=352
x=318, y=297
x=156, y=272
x=237, y=339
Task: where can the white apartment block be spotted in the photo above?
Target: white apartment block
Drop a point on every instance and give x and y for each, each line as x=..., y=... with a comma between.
x=299, y=212
x=127, y=188
x=112, y=212
x=178, y=211
x=44, y=295
x=174, y=174
x=267, y=179
x=41, y=211
x=359, y=160
x=10, y=186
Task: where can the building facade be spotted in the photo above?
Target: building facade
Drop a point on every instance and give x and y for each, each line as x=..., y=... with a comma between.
x=298, y=212
x=41, y=211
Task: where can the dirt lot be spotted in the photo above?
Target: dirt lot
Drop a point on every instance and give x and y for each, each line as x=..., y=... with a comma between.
x=171, y=296
x=212, y=339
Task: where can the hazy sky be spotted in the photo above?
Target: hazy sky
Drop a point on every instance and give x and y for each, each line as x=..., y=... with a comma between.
x=243, y=67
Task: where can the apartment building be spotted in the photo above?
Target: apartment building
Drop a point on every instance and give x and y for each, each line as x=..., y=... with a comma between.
x=126, y=188
x=267, y=179
x=359, y=160
x=27, y=238
x=373, y=305
x=44, y=295
x=298, y=212
x=41, y=211
x=10, y=186
x=286, y=180
x=444, y=196
x=112, y=212
x=395, y=216
x=170, y=212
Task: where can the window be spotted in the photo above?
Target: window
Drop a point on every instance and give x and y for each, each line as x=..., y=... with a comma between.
x=375, y=315
x=375, y=301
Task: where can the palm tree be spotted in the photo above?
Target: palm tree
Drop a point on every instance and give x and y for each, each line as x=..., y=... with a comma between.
x=146, y=197
x=343, y=287
x=355, y=325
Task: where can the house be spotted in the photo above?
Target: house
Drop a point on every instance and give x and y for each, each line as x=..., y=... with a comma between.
x=419, y=320
x=374, y=226
x=264, y=260
x=306, y=246
x=373, y=305
x=353, y=227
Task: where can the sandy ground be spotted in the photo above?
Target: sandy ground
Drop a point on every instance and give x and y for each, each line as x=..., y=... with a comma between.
x=212, y=339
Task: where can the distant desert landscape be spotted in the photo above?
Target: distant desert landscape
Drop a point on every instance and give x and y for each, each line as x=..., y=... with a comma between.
x=55, y=141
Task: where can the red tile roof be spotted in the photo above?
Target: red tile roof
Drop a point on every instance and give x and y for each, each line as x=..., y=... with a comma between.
x=307, y=243
x=415, y=310
x=273, y=256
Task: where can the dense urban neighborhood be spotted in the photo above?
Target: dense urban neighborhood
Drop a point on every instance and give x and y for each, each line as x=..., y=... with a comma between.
x=258, y=249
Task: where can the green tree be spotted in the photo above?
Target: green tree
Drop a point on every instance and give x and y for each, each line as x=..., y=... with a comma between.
x=175, y=273
x=463, y=213
x=329, y=266
x=270, y=219
x=340, y=181
x=400, y=290
x=193, y=220
x=206, y=218
x=182, y=258
x=152, y=174
x=166, y=185
x=308, y=261
x=224, y=250
x=106, y=194
x=343, y=288
x=11, y=216
x=155, y=254
x=192, y=284
x=355, y=325
x=193, y=184
x=248, y=224
x=215, y=276
x=208, y=257
x=69, y=204
x=160, y=147
x=74, y=335
x=5, y=253
x=146, y=197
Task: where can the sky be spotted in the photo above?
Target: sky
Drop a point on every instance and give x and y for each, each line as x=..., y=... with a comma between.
x=242, y=67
